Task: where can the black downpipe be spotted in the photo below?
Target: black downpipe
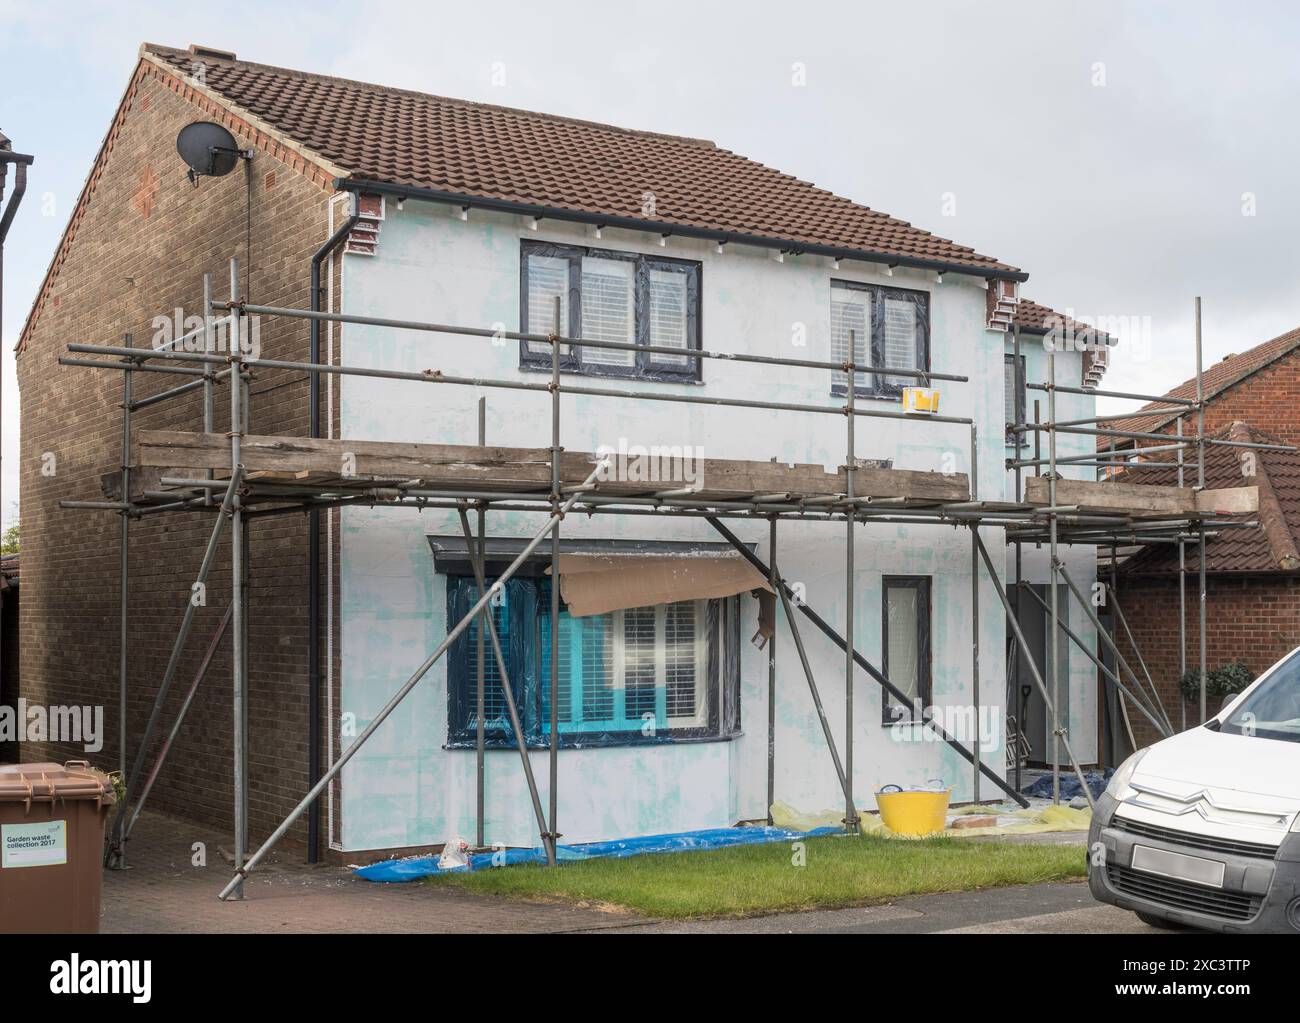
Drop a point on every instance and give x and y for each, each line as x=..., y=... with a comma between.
x=313, y=552
x=20, y=160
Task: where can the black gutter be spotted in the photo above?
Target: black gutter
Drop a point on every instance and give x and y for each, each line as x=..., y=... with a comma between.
x=313, y=552
x=358, y=185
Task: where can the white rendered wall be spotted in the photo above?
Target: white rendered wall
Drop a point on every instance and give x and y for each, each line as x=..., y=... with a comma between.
x=1080, y=562
x=403, y=788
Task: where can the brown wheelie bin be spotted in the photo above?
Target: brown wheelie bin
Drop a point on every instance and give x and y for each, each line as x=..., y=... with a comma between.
x=51, y=847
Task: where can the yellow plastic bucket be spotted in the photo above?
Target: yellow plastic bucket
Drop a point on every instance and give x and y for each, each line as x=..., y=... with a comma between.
x=913, y=813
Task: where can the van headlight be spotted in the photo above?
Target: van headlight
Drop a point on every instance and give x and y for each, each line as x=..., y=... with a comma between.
x=1118, y=787
x=1295, y=824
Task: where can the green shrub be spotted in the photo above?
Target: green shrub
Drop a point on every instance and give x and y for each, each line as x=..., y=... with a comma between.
x=1226, y=680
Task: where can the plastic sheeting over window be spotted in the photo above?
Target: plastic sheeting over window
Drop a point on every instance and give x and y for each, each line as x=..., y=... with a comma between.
x=598, y=583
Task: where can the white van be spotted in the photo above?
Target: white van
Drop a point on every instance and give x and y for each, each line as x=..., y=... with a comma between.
x=1203, y=828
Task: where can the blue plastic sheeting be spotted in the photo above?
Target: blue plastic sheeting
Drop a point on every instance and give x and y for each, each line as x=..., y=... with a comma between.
x=1070, y=787
x=716, y=838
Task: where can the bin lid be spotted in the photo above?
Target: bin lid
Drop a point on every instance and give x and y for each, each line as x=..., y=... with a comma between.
x=23, y=783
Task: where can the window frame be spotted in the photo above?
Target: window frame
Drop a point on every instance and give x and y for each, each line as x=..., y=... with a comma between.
x=645, y=365
x=1014, y=440
x=923, y=584
x=717, y=712
x=879, y=387
x=622, y=722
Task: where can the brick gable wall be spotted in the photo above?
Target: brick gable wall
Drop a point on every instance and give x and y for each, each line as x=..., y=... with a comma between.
x=140, y=248
x=1252, y=619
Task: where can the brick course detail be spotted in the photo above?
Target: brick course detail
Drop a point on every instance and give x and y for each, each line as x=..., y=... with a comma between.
x=136, y=248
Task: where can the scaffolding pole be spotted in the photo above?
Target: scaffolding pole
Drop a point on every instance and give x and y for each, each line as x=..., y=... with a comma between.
x=557, y=515
x=1054, y=647
x=166, y=746
x=116, y=848
x=478, y=560
x=1077, y=640
x=1182, y=597
x=238, y=622
x=124, y=579
x=774, y=582
x=829, y=632
x=850, y=464
x=480, y=698
x=1200, y=485
x=1155, y=693
x=370, y=729
x=840, y=774
x=975, y=621
x=1033, y=670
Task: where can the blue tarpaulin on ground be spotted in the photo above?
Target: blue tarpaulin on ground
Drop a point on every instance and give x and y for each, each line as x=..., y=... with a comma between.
x=1070, y=787
x=716, y=838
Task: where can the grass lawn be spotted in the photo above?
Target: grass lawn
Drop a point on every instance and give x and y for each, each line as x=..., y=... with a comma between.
x=756, y=879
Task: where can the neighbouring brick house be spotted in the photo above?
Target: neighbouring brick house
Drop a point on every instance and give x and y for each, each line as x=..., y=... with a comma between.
x=1253, y=576
x=473, y=214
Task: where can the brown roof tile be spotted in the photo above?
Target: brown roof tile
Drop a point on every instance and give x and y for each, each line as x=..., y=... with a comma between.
x=1215, y=379
x=1033, y=318
x=401, y=138
x=1272, y=546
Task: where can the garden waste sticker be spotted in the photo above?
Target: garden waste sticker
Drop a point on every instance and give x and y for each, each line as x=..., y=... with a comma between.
x=43, y=844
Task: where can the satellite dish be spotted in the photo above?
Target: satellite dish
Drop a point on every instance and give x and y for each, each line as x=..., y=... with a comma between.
x=208, y=148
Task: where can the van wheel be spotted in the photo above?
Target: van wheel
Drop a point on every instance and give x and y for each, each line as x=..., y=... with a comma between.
x=1159, y=922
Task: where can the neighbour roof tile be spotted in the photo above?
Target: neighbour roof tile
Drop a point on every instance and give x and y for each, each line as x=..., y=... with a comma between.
x=1272, y=546
x=1215, y=379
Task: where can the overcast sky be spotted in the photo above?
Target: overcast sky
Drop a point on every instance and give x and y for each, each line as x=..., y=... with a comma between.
x=1128, y=156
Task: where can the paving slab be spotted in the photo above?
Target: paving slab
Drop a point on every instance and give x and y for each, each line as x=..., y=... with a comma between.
x=162, y=892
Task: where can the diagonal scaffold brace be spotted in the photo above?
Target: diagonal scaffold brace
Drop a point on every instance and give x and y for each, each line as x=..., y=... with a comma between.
x=485, y=597
x=116, y=848
x=477, y=559
x=866, y=665
x=1061, y=733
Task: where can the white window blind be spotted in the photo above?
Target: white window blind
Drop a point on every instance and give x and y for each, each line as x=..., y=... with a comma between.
x=548, y=279
x=1009, y=382
x=608, y=309
x=668, y=326
x=619, y=670
x=900, y=339
x=494, y=700
x=850, y=317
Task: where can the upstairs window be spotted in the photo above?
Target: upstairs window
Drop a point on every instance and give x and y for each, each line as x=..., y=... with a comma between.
x=887, y=328
x=650, y=302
